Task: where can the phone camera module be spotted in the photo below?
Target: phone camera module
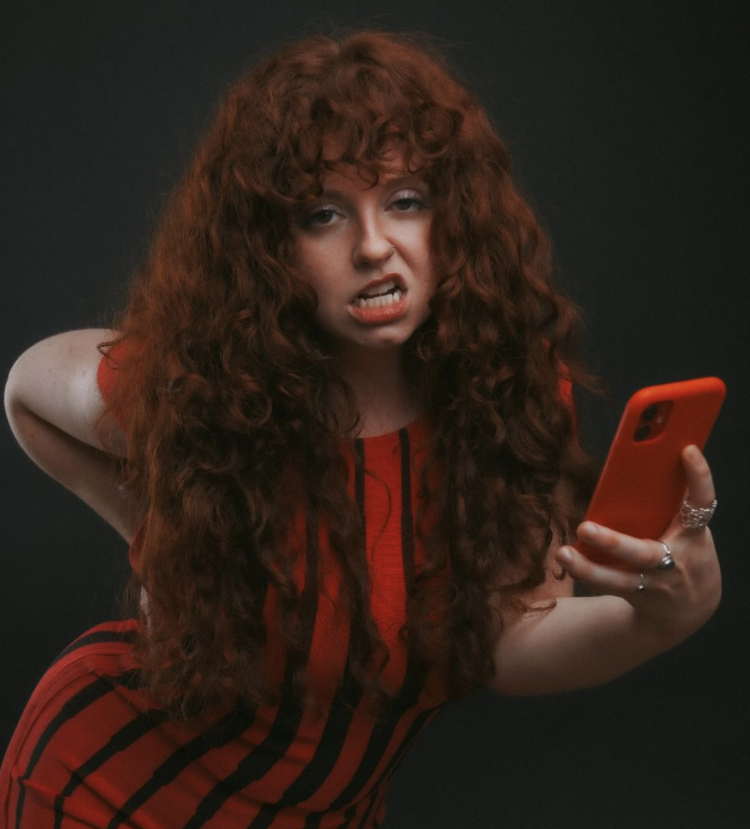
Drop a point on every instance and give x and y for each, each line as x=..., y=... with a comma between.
x=652, y=420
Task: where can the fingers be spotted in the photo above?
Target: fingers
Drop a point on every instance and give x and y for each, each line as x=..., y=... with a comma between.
x=610, y=580
x=637, y=561
x=700, y=498
x=701, y=490
x=630, y=553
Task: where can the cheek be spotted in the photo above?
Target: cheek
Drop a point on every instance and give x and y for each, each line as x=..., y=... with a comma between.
x=302, y=259
x=318, y=263
x=307, y=261
x=309, y=278
x=428, y=279
x=424, y=248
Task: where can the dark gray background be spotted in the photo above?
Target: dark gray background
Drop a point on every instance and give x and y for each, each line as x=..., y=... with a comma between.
x=629, y=125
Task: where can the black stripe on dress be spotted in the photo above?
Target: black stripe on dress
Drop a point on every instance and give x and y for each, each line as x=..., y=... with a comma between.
x=221, y=733
x=340, y=715
x=415, y=728
x=229, y=728
x=407, y=517
x=75, y=706
x=407, y=537
x=262, y=758
x=96, y=637
x=413, y=683
x=120, y=740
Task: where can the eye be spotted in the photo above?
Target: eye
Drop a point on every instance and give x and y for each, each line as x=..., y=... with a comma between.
x=321, y=216
x=409, y=200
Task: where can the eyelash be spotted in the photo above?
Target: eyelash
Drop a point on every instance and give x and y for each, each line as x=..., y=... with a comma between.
x=311, y=220
x=412, y=197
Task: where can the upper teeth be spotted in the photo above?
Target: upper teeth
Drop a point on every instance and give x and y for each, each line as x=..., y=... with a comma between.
x=381, y=289
x=382, y=297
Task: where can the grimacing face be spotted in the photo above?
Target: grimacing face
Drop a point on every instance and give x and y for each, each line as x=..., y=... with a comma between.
x=366, y=250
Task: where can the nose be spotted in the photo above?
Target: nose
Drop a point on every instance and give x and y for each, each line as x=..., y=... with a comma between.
x=372, y=246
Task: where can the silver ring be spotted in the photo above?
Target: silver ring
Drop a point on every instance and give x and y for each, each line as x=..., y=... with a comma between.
x=667, y=562
x=642, y=584
x=693, y=518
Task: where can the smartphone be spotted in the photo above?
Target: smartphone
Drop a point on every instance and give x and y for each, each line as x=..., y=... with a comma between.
x=642, y=483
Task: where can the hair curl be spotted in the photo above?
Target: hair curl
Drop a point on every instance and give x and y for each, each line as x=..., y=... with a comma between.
x=225, y=390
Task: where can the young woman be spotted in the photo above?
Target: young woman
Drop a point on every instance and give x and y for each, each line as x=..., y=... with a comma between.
x=334, y=423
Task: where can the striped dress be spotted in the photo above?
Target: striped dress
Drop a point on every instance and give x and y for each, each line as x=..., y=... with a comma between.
x=92, y=750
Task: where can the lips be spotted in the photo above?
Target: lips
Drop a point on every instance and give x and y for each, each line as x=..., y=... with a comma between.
x=381, y=301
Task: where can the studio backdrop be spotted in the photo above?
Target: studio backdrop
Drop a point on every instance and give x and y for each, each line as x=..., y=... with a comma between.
x=628, y=123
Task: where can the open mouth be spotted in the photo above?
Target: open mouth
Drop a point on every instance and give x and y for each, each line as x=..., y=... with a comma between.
x=388, y=293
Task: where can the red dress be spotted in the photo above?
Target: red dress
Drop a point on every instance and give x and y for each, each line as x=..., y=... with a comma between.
x=93, y=750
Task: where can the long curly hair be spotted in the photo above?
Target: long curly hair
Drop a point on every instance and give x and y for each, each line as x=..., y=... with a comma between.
x=225, y=386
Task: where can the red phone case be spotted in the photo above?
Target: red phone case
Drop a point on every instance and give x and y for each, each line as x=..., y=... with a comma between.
x=642, y=482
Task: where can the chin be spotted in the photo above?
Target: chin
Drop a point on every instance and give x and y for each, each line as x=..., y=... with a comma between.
x=384, y=340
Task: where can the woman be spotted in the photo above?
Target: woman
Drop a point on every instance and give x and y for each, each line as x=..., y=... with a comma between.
x=334, y=422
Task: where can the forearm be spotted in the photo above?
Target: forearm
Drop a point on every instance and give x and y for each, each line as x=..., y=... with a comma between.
x=91, y=474
x=580, y=643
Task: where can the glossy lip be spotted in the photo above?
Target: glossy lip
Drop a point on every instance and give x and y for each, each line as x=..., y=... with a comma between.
x=385, y=314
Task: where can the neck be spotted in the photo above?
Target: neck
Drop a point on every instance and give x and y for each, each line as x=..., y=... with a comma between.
x=386, y=399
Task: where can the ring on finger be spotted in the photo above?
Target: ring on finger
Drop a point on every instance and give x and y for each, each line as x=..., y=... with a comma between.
x=641, y=584
x=667, y=562
x=693, y=518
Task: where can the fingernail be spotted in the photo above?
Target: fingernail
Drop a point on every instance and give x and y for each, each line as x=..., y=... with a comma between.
x=589, y=527
x=564, y=554
x=691, y=452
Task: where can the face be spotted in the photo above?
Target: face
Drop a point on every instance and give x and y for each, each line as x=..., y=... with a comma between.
x=366, y=251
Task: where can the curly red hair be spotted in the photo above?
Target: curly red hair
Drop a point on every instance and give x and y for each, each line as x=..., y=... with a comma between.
x=226, y=399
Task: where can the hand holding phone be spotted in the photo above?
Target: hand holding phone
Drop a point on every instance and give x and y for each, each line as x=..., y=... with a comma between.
x=642, y=482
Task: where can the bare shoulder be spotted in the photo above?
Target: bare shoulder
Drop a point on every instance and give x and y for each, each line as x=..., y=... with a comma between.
x=56, y=379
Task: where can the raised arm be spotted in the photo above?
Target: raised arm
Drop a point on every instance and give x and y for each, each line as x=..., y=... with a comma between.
x=591, y=640
x=53, y=404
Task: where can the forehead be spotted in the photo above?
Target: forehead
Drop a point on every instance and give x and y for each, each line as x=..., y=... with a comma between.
x=356, y=177
x=340, y=166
